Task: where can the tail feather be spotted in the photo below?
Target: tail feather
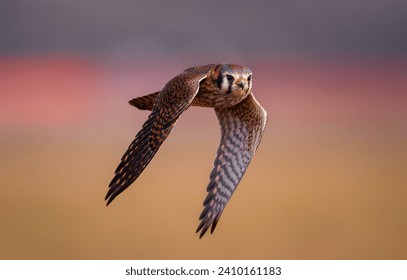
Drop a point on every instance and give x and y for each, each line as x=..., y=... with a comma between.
x=145, y=102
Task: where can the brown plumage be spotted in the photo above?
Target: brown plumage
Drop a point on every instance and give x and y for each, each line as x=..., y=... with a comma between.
x=228, y=89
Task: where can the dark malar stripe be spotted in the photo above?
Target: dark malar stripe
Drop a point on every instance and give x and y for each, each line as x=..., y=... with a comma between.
x=219, y=80
x=230, y=86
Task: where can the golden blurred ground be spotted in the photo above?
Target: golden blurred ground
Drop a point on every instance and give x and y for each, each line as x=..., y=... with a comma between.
x=328, y=181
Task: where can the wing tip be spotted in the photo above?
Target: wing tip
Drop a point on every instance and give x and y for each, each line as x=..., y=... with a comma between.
x=203, y=227
x=206, y=224
x=113, y=191
x=109, y=197
x=108, y=202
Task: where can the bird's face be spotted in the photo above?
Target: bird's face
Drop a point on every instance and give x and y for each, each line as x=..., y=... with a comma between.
x=233, y=79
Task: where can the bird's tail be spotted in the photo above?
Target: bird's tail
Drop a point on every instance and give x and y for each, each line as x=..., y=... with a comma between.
x=145, y=102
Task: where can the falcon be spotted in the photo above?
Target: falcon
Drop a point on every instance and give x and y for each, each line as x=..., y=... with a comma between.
x=228, y=89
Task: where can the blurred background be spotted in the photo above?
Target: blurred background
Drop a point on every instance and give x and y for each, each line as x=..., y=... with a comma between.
x=329, y=180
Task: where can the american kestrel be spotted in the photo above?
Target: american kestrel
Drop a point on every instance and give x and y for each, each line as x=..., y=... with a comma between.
x=228, y=89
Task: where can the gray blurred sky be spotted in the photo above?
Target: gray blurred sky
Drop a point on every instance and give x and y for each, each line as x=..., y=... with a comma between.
x=166, y=27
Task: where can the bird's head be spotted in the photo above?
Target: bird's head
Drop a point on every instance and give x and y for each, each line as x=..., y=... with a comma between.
x=232, y=79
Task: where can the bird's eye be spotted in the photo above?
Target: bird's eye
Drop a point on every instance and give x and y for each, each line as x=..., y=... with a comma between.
x=249, y=78
x=229, y=77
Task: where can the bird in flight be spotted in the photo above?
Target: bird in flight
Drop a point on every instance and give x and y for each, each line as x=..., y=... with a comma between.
x=228, y=89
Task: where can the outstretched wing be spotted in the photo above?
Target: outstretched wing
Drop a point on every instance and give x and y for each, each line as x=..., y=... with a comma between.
x=242, y=127
x=174, y=98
